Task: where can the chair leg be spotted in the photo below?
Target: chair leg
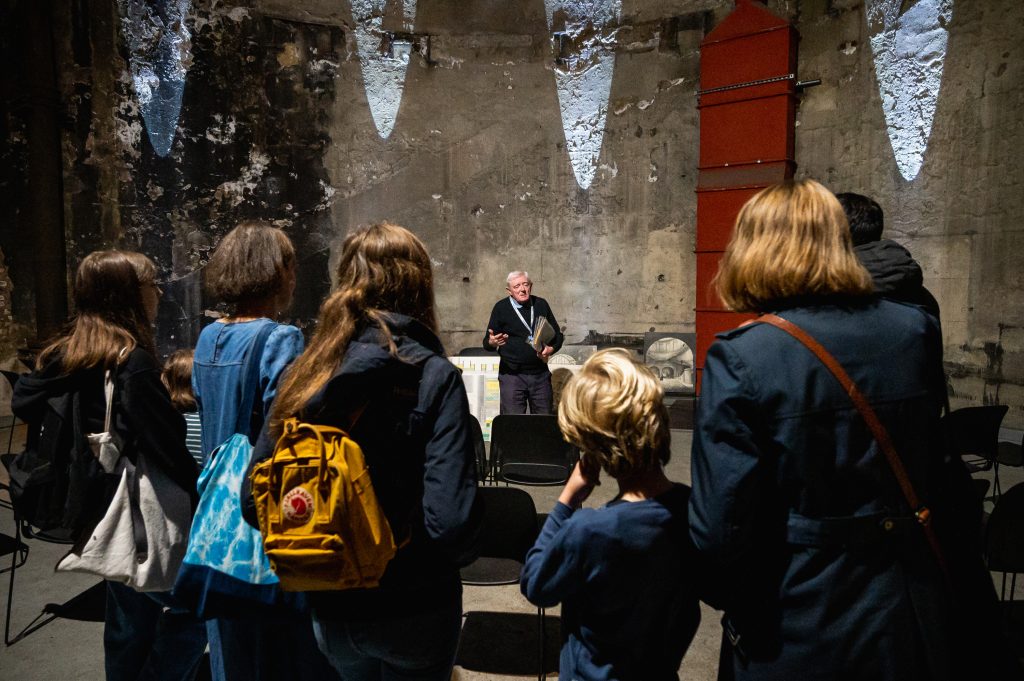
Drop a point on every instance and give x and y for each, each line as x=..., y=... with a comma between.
x=996, y=490
x=34, y=624
x=541, y=673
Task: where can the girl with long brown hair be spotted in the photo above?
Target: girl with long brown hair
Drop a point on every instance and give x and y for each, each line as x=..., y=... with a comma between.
x=116, y=298
x=376, y=368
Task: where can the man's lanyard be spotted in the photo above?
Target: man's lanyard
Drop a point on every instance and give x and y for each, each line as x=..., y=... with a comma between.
x=529, y=327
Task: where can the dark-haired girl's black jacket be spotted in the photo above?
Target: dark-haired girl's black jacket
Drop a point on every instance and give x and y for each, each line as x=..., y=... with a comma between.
x=143, y=417
x=415, y=433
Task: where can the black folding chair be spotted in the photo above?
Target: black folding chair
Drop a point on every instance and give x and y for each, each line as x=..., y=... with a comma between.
x=528, y=449
x=1004, y=538
x=509, y=532
x=483, y=473
x=1008, y=454
x=973, y=433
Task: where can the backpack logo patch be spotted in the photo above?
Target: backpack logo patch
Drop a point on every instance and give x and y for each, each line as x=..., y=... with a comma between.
x=297, y=505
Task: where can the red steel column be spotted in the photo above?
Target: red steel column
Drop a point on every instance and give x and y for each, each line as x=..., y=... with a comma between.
x=747, y=109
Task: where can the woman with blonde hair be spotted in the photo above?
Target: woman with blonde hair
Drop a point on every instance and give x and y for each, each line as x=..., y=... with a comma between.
x=624, y=572
x=376, y=369
x=116, y=298
x=823, y=566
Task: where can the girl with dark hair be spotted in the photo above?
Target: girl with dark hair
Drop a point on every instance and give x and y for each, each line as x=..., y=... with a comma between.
x=376, y=368
x=116, y=298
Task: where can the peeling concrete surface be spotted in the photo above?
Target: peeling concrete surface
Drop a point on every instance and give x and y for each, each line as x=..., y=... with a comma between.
x=383, y=59
x=910, y=51
x=585, y=38
x=160, y=54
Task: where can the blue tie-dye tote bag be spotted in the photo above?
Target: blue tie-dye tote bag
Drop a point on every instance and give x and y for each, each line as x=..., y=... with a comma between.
x=226, y=571
x=225, y=568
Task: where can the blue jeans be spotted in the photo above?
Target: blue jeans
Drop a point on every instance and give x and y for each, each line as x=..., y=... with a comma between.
x=269, y=648
x=518, y=390
x=417, y=647
x=143, y=639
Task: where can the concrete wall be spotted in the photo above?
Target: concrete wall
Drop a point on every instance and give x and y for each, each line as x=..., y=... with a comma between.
x=276, y=122
x=960, y=215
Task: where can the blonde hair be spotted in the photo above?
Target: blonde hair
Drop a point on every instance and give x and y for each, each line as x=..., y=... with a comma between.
x=383, y=268
x=614, y=411
x=790, y=240
x=110, y=315
x=177, y=378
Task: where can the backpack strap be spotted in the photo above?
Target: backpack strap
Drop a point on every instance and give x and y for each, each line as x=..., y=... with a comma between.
x=250, y=412
x=881, y=435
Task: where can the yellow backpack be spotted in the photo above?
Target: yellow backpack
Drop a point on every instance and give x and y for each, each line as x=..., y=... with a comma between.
x=322, y=527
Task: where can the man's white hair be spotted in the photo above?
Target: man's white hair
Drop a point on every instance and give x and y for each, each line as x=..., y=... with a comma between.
x=516, y=274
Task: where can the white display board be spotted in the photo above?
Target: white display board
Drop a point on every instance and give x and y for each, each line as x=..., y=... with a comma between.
x=480, y=376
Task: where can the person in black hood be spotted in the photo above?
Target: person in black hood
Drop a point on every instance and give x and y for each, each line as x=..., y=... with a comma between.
x=116, y=297
x=375, y=353
x=894, y=272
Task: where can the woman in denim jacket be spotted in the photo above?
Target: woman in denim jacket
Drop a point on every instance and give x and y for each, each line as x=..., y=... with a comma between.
x=253, y=271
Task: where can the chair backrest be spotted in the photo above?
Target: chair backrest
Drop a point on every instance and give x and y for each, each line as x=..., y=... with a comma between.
x=1004, y=533
x=479, y=448
x=475, y=351
x=974, y=431
x=522, y=441
x=510, y=523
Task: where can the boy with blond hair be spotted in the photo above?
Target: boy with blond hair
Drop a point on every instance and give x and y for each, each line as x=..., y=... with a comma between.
x=622, y=571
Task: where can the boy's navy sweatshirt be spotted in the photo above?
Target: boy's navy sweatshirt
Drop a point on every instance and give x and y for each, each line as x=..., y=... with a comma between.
x=625, y=575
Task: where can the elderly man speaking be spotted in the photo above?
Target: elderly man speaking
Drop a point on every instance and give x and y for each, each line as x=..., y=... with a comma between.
x=523, y=375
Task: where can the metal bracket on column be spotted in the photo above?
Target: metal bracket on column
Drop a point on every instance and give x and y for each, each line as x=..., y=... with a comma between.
x=751, y=83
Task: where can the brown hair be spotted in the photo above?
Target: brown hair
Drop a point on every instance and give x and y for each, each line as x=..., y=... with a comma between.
x=177, y=378
x=250, y=263
x=383, y=268
x=109, y=312
x=791, y=240
x=614, y=411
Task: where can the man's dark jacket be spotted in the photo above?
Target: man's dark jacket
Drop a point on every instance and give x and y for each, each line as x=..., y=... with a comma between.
x=895, y=274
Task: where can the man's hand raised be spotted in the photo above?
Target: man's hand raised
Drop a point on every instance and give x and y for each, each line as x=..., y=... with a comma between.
x=496, y=340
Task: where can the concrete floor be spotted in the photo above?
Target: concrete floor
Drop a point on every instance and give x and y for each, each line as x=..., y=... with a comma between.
x=500, y=635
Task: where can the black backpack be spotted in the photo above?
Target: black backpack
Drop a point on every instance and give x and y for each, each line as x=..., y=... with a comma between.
x=56, y=482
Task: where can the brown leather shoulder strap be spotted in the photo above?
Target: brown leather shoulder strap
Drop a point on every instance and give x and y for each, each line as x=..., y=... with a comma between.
x=879, y=432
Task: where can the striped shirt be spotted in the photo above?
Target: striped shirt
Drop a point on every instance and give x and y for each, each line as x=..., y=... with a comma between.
x=193, y=436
